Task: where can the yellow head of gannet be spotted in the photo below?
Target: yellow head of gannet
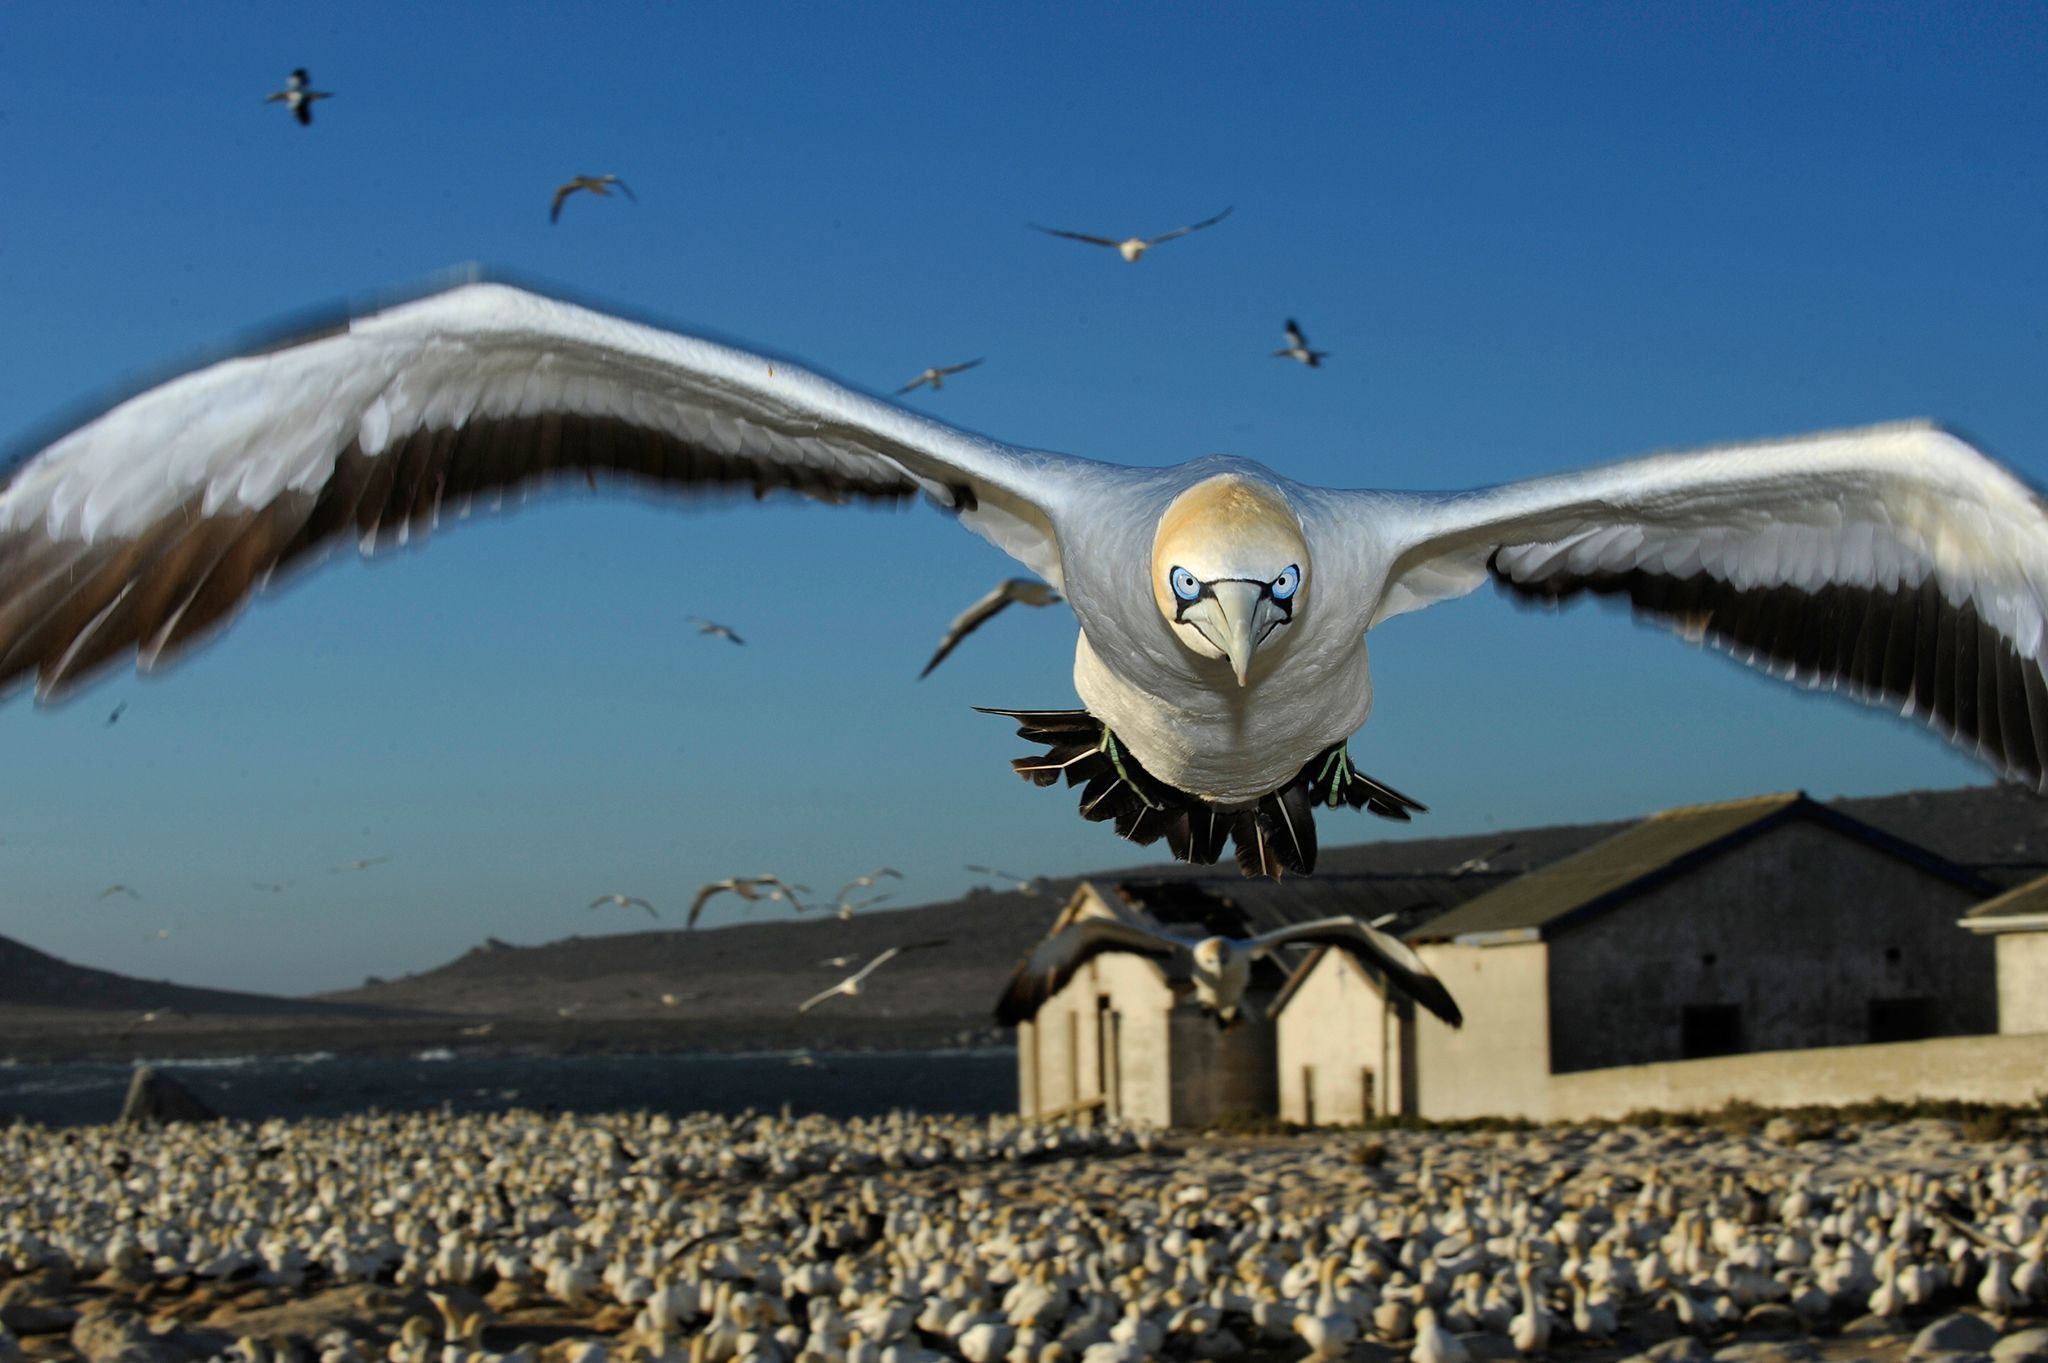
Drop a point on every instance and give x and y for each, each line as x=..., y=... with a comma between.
x=1229, y=568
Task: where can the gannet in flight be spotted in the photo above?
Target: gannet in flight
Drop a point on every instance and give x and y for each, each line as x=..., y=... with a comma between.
x=1220, y=967
x=297, y=97
x=1130, y=248
x=1025, y=590
x=1222, y=608
x=935, y=376
x=713, y=628
x=626, y=901
x=851, y=986
x=748, y=888
x=1297, y=348
x=596, y=184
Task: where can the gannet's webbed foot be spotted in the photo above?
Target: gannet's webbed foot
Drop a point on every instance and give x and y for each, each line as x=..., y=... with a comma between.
x=1332, y=780
x=1272, y=837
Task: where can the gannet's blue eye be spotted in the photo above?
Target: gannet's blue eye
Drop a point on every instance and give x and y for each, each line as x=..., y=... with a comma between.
x=1185, y=585
x=1285, y=584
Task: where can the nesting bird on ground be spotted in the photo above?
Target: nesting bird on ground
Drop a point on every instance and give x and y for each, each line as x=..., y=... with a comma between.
x=600, y=185
x=1297, y=348
x=713, y=628
x=626, y=901
x=749, y=888
x=1022, y=590
x=297, y=96
x=1131, y=248
x=936, y=376
x=852, y=985
x=1222, y=608
x=1221, y=967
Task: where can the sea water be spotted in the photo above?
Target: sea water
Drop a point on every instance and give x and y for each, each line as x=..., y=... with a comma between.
x=973, y=1082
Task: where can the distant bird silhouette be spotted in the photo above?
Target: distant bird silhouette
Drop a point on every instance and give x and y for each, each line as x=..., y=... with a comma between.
x=1130, y=248
x=851, y=986
x=847, y=908
x=115, y=717
x=1297, y=348
x=113, y=890
x=274, y=886
x=935, y=376
x=749, y=888
x=297, y=97
x=626, y=901
x=867, y=881
x=1022, y=590
x=1220, y=966
x=144, y=1019
x=713, y=628
x=1021, y=884
x=839, y=962
x=359, y=864
x=596, y=184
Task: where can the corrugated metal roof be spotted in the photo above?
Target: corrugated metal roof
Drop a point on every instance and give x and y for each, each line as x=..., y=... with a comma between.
x=1526, y=905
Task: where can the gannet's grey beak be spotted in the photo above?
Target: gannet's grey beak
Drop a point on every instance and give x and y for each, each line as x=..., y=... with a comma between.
x=1236, y=619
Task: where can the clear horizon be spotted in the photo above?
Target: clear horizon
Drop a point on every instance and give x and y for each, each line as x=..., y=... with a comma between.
x=1531, y=240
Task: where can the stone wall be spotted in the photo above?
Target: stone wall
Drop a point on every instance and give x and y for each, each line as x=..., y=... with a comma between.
x=1990, y=1069
x=2023, y=982
x=1804, y=932
x=1500, y=1060
x=1335, y=1032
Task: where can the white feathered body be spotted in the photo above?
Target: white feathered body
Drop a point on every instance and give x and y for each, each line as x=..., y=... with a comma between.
x=1182, y=714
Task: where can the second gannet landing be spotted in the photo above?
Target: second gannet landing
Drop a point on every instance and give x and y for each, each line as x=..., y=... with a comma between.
x=1219, y=967
x=1222, y=607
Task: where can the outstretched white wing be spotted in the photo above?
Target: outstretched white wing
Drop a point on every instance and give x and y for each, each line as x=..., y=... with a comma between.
x=1897, y=563
x=151, y=524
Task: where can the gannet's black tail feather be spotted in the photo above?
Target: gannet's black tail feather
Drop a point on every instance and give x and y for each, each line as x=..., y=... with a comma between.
x=1272, y=838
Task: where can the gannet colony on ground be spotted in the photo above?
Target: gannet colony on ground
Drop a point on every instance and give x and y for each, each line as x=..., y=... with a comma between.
x=436, y=1239
x=1222, y=608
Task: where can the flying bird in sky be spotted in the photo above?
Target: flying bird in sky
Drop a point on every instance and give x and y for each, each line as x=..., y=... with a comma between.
x=1220, y=967
x=847, y=908
x=867, y=882
x=114, y=716
x=1222, y=608
x=113, y=890
x=1297, y=348
x=625, y=901
x=298, y=96
x=935, y=376
x=1022, y=590
x=749, y=888
x=360, y=864
x=1019, y=884
x=600, y=185
x=1131, y=248
x=853, y=984
x=712, y=628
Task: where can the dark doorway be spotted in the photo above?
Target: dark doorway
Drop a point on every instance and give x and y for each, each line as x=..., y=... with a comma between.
x=1901, y=1019
x=1710, y=1029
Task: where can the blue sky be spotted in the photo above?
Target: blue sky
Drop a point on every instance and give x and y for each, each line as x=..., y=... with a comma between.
x=1533, y=237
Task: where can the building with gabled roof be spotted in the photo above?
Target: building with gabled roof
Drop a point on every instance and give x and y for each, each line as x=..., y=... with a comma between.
x=1768, y=924
x=2017, y=924
x=1124, y=1037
